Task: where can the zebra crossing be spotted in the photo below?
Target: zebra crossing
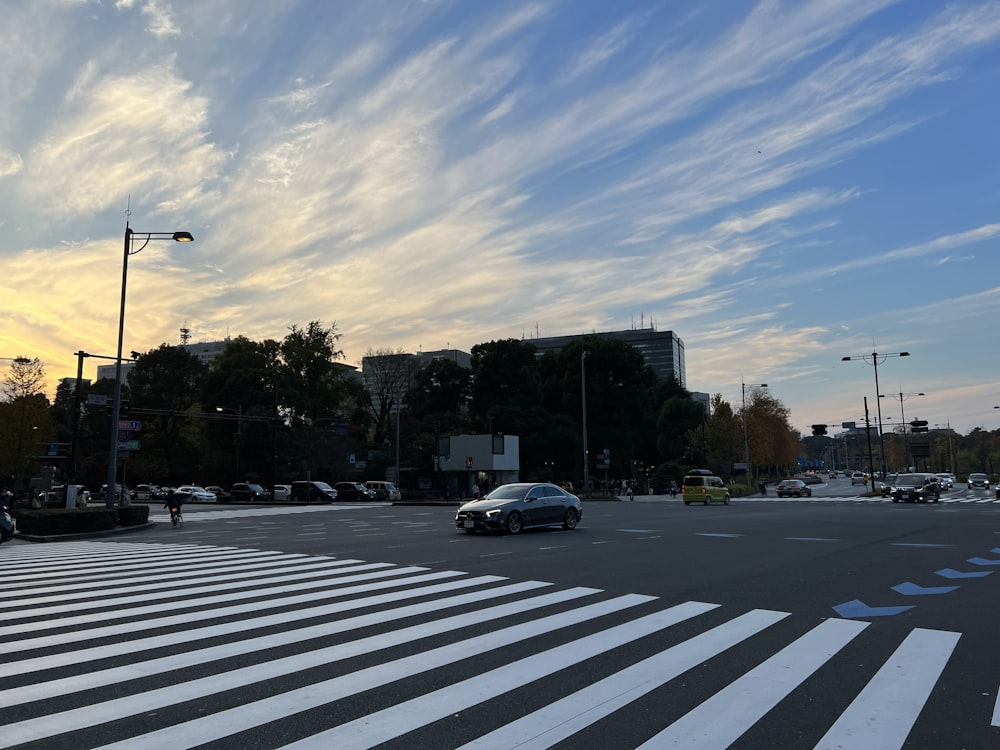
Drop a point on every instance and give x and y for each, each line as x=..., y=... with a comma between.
x=149, y=645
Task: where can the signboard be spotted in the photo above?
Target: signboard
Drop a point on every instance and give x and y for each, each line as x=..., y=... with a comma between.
x=97, y=399
x=132, y=425
x=128, y=445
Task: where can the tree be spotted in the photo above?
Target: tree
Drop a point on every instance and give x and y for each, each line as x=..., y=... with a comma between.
x=440, y=387
x=239, y=394
x=24, y=419
x=504, y=374
x=163, y=385
x=387, y=377
x=723, y=436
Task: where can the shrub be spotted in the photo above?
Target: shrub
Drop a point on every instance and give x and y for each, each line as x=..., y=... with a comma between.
x=50, y=521
x=133, y=515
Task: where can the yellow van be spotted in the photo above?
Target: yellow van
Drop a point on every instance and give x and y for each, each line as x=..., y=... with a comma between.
x=705, y=489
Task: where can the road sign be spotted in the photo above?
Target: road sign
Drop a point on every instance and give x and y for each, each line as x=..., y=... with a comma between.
x=97, y=399
x=128, y=445
x=130, y=424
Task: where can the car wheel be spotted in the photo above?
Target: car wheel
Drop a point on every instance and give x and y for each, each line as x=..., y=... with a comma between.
x=514, y=523
x=571, y=519
x=686, y=502
x=726, y=501
x=707, y=500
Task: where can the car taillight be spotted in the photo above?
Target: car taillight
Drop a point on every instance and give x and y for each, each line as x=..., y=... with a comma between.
x=702, y=490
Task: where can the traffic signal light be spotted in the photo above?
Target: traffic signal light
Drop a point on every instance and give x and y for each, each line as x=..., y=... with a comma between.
x=819, y=429
x=919, y=425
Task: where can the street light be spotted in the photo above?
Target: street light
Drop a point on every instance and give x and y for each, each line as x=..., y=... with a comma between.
x=583, y=397
x=130, y=249
x=18, y=360
x=873, y=359
x=901, y=397
x=746, y=438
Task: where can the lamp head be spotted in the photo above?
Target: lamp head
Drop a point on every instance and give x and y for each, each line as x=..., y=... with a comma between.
x=183, y=237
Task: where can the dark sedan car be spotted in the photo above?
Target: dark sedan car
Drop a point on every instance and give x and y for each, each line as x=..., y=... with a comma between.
x=513, y=507
x=352, y=492
x=916, y=488
x=792, y=488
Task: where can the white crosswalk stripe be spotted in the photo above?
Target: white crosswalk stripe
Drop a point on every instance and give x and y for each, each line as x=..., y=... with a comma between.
x=99, y=646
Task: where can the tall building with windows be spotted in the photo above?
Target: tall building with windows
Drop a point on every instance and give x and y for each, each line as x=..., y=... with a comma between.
x=663, y=351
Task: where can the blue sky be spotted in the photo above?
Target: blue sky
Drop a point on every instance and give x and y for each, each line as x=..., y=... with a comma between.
x=781, y=183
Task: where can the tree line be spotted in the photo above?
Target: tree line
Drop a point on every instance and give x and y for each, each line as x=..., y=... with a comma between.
x=275, y=411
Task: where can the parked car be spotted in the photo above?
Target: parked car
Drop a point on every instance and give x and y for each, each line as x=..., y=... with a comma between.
x=514, y=507
x=120, y=491
x=281, y=493
x=916, y=488
x=310, y=492
x=384, y=491
x=195, y=494
x=792, y=488
x=248, y=492
x=149, y=493
x=977, y=481
x=705, y=489
x=349, y=492
x=221, y=494
x=858, y=477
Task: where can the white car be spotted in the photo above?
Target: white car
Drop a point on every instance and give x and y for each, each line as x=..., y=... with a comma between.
x=281, y=493
x=196, y=494
x=858, y=478
x=947, y=480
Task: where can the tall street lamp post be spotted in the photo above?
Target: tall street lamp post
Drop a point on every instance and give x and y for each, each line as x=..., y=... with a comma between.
x=583, y=397
x=874, y=359
x=130, y=249
x=901, y=397
x=746, y=434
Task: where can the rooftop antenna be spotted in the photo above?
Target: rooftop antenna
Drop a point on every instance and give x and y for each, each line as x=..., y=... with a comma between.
x=185, y=334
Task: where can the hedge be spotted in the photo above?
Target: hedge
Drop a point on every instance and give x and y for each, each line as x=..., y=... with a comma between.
x=51, y=521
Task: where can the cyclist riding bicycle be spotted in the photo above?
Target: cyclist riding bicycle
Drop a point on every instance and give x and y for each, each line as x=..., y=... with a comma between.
x=174, y=502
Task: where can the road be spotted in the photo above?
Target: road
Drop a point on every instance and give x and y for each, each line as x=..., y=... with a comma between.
x=832, y=622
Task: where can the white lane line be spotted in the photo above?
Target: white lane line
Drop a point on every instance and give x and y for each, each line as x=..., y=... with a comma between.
x=302, y=568
x=882, y=715
x=567, y=716
x=215, y=726
x=727, y=715
x=7, y=646
x=382, y=726
x=996, y=712
x=178, y=575
x=195, y=657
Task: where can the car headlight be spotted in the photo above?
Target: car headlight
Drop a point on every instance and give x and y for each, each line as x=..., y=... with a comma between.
x=495, y=513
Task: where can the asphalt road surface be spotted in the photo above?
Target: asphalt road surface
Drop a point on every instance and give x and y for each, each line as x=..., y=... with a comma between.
x=832, y=622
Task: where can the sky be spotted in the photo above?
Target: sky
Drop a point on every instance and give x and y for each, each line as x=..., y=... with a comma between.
x=780, y=183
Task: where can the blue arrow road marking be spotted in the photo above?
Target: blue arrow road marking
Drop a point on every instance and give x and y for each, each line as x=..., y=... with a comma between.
x=933, y=546
x=638, y=531
x=809, y=539
x=725, y=536
x=912, y=589
x=951, y=573
x=982, y=561
x=858, y=608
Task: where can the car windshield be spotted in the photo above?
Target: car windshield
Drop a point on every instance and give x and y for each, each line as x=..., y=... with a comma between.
x=507, y=492
x=910, y=479
x=322, y=486
x=977, y=476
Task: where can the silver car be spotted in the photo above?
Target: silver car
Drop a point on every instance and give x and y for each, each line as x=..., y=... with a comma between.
x=513, y=507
